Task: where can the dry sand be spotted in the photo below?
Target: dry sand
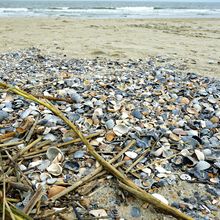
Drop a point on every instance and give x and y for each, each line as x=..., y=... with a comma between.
x=193, y=43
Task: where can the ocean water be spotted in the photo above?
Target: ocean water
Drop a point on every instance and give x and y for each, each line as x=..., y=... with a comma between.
x=109, y=9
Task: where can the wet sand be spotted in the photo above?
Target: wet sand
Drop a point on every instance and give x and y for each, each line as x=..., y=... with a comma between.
x=192, y=43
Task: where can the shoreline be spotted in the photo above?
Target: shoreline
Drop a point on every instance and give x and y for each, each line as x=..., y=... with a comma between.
x=191, y=42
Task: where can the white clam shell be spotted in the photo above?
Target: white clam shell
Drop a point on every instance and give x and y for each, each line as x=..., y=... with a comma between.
x=98, y=213
x=160, y=169
x=131, y=154
x=55, y=154
x=147, y=171
x=158, y=152
x=55, y=169
x=120, y=130
x=34, y=163
x=200, y=155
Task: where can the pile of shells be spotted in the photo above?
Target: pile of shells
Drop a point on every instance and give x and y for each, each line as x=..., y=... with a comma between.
x=174, y=118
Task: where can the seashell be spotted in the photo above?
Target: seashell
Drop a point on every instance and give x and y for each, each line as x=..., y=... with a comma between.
x=54, y=153
x=126, y=158
x=193, y=133
x=73, y=116
x=43, y=165
x=147, y=171
x=158, y=152
x=131, y=154
x=214, y=180
x=54, y=190
x=47, y=131
x=137, y=114
x=160, y=169
x=98, y=112
x=197, y=107
x=184, y=100
x=202, y=165
x=200, y=155
x=161, y=198
x=212, y=100
x=120, y=130
x=98, y=213
x=34, y=163
x=55, y=169
x=141, y=143
x=22, y=167
x=124, y=115
x=3, y=115
x=135, y=212
x=147, y=183
x=207, y=152
x=217, y=113
x=192, y=111
x=217, y=164
x=50, y=137
x=185, y=177
x=34, y=176
x=190, y=141
x=51, y=181
x=179, y=131
x=178, y=160
x=72, y=165
x=89, y=103
x=214, y=120
x=78, y=154
x=110, y=124
x=94, y=143
x=75, y=97
x=161, y=175
x=26, y=113
x=174, y=137
x=110, y=135
x=45, y=176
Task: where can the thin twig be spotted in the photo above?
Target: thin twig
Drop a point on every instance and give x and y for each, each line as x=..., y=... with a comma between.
x=9, y=210
x=27, y=148
x=11, y=144
x=33, y=201
x=30, y=133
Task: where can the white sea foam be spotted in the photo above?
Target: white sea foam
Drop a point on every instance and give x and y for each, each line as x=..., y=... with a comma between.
x=111, y=12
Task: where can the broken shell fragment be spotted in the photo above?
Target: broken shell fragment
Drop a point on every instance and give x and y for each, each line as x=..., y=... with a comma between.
x=72, y=165
x=120, y=130
x=99, y=213
x=131, y=154
x=202, y=165
x=54, y=190
x=199, y=154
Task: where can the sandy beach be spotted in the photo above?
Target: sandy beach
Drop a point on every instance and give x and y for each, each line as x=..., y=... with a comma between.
x=191, y=43
x=160, y=124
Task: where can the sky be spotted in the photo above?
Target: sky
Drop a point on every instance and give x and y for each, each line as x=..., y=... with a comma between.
x=133, y=0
